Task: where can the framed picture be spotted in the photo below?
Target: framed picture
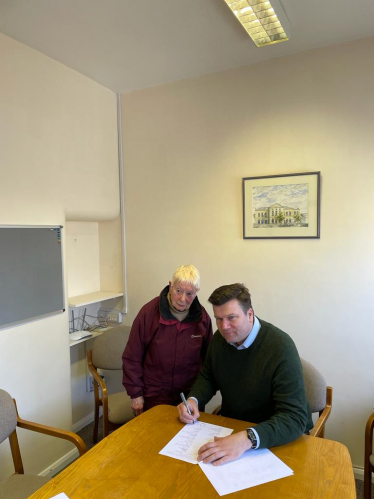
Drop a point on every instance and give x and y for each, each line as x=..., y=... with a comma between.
x=282, y=206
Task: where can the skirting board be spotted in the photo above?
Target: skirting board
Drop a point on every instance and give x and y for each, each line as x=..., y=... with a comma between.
x=60, y=464
x=68, y=458
x=83, y=422
x=359, y=474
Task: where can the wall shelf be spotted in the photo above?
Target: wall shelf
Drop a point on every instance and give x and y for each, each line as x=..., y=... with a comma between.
x=86, y=338
x=95, y=334
x=88, y=299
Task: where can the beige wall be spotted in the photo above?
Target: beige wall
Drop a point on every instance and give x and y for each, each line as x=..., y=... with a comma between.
x=58, y=161
x=93, y=262
x=188, y=145
x=111, y=270
x=82, y=257
x=58, y=137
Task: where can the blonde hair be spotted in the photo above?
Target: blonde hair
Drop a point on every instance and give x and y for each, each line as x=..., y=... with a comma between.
x=188, y=274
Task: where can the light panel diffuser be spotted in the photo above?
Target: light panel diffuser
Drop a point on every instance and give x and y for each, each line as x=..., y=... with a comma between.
x=260, y=20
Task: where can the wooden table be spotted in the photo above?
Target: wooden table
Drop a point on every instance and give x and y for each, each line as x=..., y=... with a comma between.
x=127, y=464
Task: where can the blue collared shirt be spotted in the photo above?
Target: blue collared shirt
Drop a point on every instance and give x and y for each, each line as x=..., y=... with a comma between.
x=247, y=343
x=251, y=337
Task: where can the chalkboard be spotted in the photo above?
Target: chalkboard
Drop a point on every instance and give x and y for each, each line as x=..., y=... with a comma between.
x=31, y=273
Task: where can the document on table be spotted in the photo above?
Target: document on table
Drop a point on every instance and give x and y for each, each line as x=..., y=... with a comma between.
x=187, y=442
x=253, y=468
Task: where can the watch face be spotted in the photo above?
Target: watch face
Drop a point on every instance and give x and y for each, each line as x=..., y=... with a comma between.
x=252, y=437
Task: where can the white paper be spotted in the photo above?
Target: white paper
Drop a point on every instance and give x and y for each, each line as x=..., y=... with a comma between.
x=253, y=468
x=60, y=496
x=187, y=442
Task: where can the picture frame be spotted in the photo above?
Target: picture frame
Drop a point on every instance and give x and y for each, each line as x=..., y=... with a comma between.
x=282, y=206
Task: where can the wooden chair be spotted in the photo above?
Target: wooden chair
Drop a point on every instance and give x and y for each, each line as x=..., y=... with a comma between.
x=369, y=457
x=106, y=355
x=319, y=397
x=19, y=485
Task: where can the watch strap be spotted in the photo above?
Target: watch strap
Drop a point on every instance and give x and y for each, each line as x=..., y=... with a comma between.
x=252, y=437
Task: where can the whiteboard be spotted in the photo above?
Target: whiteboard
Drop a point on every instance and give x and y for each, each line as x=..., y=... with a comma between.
x=31, y=273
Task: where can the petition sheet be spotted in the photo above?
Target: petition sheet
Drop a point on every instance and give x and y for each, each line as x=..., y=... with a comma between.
x=253, y=468
x=187, y=442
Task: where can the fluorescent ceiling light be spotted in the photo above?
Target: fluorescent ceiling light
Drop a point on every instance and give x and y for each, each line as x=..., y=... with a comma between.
x=264, y=21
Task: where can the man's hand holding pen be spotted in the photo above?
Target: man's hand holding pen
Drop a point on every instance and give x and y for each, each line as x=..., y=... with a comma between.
x=183, y=412
x=221, y=450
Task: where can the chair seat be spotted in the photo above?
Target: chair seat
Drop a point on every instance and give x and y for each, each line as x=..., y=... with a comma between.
x=372, y=459
x=21, y=486
x=119, y=408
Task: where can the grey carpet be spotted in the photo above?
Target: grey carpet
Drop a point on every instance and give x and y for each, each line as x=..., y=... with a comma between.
x=86, y=434
x=360, y=489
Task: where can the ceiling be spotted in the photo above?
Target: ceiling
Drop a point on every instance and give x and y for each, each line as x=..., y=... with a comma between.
x=127, y=45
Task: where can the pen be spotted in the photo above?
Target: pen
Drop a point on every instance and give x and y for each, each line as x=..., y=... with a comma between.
x=187, y=406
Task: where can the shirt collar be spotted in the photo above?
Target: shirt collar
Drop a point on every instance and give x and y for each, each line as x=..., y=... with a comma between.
x=251, y=337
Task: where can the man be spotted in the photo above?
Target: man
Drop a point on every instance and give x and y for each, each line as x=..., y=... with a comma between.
x=168, y=343
x=258, y=371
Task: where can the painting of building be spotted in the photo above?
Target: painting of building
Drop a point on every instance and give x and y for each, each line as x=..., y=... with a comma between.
x=286, y=206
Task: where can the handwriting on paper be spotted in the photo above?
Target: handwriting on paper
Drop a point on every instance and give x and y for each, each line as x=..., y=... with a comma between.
x=187, y=442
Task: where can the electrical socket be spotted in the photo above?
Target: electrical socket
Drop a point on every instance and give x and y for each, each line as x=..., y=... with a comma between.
x=90, y=384
x=114, y=316
x=90, y=381
x=110, y=315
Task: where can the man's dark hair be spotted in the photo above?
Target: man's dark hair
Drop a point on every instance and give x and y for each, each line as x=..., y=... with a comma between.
x=228, y=292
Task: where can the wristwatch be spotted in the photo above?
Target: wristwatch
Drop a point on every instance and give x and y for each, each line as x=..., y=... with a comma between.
x=252, y=437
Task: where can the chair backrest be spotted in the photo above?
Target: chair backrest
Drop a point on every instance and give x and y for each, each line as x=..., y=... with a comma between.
x=315, y=387
x=108, y=348
x=8, y=415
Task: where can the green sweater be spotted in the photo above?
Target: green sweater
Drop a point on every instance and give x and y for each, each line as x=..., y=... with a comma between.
x=261, y=384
